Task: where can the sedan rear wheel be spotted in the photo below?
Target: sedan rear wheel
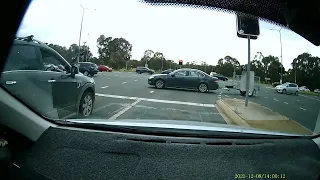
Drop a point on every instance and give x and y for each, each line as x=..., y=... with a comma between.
x=159, y=84
x=203, y=88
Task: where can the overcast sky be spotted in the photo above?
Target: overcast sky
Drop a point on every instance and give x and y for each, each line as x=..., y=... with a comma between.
x=178, y=32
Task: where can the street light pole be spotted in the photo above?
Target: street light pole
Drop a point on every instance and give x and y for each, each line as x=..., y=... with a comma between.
x=83, y=9
x=279, y=30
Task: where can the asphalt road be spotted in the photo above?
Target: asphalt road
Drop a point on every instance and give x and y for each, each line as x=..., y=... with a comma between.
x=303, y=109
x=126, y=95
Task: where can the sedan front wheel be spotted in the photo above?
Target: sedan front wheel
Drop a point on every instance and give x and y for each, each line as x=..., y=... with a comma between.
x=159, y=84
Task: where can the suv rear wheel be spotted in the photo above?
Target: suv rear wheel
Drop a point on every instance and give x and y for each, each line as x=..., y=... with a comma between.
x=86, y=104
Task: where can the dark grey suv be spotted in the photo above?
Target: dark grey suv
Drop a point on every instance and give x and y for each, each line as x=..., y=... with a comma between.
x=45, y=81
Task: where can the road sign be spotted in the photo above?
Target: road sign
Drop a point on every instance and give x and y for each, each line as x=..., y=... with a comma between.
x=180, y=62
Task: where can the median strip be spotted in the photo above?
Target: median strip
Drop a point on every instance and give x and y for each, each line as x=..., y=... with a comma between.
x=258, y=116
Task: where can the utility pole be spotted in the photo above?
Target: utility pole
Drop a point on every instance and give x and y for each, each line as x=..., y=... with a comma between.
x=83, y=9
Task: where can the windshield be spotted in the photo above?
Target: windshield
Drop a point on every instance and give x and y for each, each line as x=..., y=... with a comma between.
x=139, y=42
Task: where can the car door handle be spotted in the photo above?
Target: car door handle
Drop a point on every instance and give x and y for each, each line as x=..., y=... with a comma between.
x=11, y=82
x=51, y=80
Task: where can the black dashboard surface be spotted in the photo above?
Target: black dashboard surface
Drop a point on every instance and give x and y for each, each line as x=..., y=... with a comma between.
x=70, y=154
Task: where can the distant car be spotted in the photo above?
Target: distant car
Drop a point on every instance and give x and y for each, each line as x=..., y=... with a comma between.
x=102, y=68
x=88, y=68
x=167, y=71
x=304, y=88
x=219, y=76
x=141, y=70
x=317, y=91
x=185, y=78
x=287, y=88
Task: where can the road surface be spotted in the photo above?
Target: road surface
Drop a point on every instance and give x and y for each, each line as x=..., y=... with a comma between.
x=127, y=95
x=303, y=109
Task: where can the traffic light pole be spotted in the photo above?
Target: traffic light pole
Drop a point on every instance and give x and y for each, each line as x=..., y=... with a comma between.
x=248, y=74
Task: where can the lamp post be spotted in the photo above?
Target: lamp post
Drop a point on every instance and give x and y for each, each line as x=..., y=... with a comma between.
x=83, y=9
x=279, y=30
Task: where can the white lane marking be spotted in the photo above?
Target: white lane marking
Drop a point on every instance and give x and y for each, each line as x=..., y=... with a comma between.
x=302, y=109
x=156, y=100
x=297, y=100
x=265, y=97
x=69, y=116
x=286, y=103
x=151, y=91
x=124, y=82
x=104, y=87
x=124, y=110
x=135, y=80
x=275, y=99
x=108, y=78
x=99, y=108
x=310, y=97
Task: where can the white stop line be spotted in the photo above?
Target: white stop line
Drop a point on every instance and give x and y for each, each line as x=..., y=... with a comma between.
x=156, y=100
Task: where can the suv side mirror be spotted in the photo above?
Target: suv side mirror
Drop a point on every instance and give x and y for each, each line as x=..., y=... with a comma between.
x=74, y=71
x=172, y=75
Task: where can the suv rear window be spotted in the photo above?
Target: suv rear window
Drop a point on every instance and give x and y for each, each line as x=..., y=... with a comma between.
x=22, y=57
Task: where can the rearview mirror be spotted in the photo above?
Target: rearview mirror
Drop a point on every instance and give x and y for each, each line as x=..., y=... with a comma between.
x=74, y=71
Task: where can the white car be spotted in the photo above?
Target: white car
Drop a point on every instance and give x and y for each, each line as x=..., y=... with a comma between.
x=304, y=88
x=287, y=88
x=317, y=91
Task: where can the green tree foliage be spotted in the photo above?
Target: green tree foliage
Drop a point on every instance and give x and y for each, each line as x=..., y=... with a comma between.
x=307, y=70
x=72, y=52
x=113, y=51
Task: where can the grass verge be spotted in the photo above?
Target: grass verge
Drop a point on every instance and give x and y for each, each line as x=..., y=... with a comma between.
x=310, y=93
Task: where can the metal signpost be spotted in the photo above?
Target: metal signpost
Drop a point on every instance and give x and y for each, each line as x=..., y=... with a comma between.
x=248, y=74
x=247, y=27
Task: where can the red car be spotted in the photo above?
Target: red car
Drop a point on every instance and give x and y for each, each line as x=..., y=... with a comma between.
x=104, y=68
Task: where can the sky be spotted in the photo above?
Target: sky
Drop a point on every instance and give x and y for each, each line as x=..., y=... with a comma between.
x=189, y=34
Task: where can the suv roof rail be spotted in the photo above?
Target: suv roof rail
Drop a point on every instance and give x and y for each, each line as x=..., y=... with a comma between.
x=29, y=39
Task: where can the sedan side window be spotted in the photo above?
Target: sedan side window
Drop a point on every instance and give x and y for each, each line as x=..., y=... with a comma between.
x=22, y=58
x=193, y=74
x=181, y=73
x=51, y=62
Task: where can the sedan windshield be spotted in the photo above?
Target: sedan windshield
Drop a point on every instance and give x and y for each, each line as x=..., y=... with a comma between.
x=150, y=74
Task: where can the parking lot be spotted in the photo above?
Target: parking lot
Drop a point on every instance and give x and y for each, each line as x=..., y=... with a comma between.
x=127, y=95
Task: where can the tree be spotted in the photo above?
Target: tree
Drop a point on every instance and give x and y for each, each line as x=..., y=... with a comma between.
x=147, y=55
x=227, y=66
x=113, y=51
x=307, y=69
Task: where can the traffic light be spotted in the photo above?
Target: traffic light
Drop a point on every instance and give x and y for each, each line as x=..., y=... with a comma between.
x=180, y=62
